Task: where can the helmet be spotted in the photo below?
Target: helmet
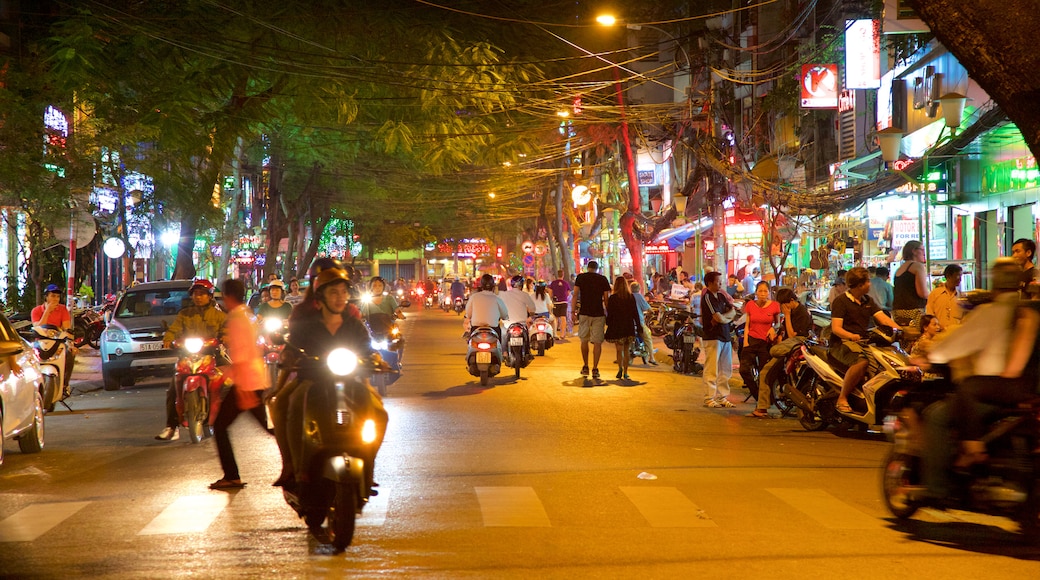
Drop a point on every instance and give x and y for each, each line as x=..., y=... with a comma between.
x=540, y=284
x=276, y=284
x=52, y=289
x=487, y=282
x=203, y=284
x=322, y=264
x=517, y=281
x=1005, y=274
x=330, y=276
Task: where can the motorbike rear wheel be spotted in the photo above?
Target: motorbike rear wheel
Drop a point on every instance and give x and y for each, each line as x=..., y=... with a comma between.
x=898, y=473
x=50, y=390
x=483, y=378
x=195, y=407
x=94, y=338
x=541, y=348
x=343, y=514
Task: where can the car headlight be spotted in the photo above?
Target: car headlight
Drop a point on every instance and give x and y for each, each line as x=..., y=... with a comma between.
x=380, y=345
x=342, y=362
x=193, y=345
x=272, y=324
x=116, y=335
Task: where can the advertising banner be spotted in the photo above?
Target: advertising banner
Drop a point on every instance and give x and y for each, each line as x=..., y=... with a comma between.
x=819, y=86
x=863, y=54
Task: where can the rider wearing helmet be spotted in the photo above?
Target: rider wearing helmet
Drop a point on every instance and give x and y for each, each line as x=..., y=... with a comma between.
x=202, y=319
x=485, y=308
x=380, y=308
x=316, y=333
x=458, y=289
x=309, y=303
x=517, y=301
x=276, y=306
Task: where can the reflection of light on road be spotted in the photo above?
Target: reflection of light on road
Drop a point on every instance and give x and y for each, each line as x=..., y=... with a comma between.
x=189, y=514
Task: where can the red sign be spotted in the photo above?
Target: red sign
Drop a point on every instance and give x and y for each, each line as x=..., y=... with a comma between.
x=819, y=86
x=527, y=246
x=657, y=249
x=474, y=248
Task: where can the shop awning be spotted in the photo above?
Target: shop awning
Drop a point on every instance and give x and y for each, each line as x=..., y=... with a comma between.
x=675, y=237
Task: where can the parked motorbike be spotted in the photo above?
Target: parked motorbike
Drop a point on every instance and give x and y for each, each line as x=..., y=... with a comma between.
x=484, y=355
x=388, y=342
x=638, y=349
x=88, y=324
x=459, y=305
x=784, y=377
x=51, y=345
x=518, y=353
x=339, y=444
x=200, y=381
x=816, y=395
x=1007, y=484
x=662, y=316
x=683, y=341
x=541, y=334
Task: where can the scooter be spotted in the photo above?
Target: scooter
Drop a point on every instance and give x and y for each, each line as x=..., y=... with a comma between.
x=200, y=381
x=484, y=355
x=388, y=342
x=682, y=339
x=339, y=445
x=638, y=349
x=51, y=344
x=459, y=304
x=816, y=394
x=402, y=298
x=270, y=341
x=541, y=334
x=518, y=354
x=1007, y=484
x=88, y=324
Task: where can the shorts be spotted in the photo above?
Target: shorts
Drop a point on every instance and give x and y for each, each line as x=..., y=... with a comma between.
x=560, y=309
x=591, y=328
x=847, y=355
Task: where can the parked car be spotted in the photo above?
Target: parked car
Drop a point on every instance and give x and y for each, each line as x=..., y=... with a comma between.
x=21, y=396
x=132, y=344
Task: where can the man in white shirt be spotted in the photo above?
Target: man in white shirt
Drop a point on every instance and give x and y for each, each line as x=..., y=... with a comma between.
x=519, y=303
x=485, y=308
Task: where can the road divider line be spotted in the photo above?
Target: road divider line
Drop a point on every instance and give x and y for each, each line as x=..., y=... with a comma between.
x=667, y=507
x=374, y=513
x=511, y=507
x=829, y=511
x=189, y=514
x=37, y=519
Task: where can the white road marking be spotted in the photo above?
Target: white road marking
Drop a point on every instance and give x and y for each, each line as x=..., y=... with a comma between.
x=374, y=513
x=37, y=519
x=667, y=507
x=829, y=511
x=511, y=507
x=188, y=515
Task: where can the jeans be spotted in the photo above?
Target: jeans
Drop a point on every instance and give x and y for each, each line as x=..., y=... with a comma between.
x=227, y=414
x=752, y=358
x=718, y=368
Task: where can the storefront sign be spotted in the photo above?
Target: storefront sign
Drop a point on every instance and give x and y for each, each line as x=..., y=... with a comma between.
x=862, y=54
x=903, y=231
x=819, y=86
x=473, y=247
x=745, y=233
x=646, y=177
x=657, y=249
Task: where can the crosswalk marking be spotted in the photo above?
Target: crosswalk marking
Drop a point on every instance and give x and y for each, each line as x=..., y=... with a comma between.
x=374, y=513
x=826, y=509
x=667, y=507
x=511, y=507
x=35, y=520
x=189, y=514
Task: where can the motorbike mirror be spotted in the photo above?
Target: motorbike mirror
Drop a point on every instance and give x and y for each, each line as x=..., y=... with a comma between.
x=10, y=348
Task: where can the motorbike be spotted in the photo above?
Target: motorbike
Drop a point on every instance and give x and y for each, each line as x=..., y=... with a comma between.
x=638, y=349
x=446, y=302
x=388, y=342
x=518, y=352
x=88, y=324
x=1007, y=484
x=339, y=444
x=484, y=355
x=784, y=376
x=663, y=316
x=682, y=340
x=817, y=391
x=402, y=298
x=272, y=347
x=51, y=345
x=459, y=304
x=541, y=334
x=200, y=381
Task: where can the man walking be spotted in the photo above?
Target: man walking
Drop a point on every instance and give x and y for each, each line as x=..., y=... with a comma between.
x=591, y=290
x=717, y=314
x=561, y=293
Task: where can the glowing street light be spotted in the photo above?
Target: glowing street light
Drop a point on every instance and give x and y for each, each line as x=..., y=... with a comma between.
x=581, y=195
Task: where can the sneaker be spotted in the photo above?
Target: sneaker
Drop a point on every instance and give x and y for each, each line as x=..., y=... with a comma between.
x=585, y=371
x=724, y=403
x=169, y=434
x=595, y=373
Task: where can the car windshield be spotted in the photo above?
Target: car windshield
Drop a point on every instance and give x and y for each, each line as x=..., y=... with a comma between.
x=153, y=303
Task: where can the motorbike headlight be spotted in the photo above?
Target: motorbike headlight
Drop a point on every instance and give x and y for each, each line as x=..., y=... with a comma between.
x=400, y=292
x=366, y=298
x=342, y=362
x=368, y=431
x=380, y=345
x=395, y=331
x=193, y=345
x=116, y=335
x=272, y=324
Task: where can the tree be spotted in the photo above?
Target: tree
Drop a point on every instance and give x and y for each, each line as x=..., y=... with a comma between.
x=994, y=41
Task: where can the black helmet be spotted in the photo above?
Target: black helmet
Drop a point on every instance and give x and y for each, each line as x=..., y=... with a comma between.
x=517, y=281
x=487, y=282
x=323, y=264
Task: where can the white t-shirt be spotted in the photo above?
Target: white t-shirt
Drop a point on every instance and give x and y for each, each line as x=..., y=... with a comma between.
x=518, y=303
x=485, y=309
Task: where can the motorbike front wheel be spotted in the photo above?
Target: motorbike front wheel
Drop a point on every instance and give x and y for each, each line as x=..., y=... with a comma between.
x=484, y=378
x=343, y=514
x=195, y=412
x=897, y=475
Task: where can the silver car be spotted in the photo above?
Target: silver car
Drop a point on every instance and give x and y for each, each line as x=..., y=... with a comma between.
x=21, y=399
x=132, y=345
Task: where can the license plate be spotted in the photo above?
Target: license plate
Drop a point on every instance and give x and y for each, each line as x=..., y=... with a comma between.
x=689, y=338
x=541, y=336
x=516, y=341
x=146, y=346
x=484, y=358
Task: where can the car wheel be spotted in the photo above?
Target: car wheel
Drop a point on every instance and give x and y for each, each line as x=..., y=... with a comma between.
x=1, y=436
x=111, y=380
x=51, y=392
x=32, y=440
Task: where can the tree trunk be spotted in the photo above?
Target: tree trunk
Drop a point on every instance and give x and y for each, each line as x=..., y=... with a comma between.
x=566, y=247
x=635, y=245
x=994, y=41
x=184, y=267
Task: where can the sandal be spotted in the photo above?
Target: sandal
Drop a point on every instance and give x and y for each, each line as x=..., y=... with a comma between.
x=843, y=408
x=227, y=484
x=759, y=414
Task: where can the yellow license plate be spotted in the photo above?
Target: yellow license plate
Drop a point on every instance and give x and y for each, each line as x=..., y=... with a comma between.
x=484, y=358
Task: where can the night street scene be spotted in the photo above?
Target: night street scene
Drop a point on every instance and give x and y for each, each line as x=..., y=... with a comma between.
x=519, y=289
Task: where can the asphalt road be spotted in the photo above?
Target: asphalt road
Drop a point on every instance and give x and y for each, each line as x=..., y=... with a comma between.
x=541, y=477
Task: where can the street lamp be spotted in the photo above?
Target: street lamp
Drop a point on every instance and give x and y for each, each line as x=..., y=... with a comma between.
x=609, y=20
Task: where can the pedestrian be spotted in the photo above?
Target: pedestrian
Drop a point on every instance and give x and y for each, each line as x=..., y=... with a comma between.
x=717, y=314
x=735, y=289
x=910, y=291
x=623, y=321
x=246, y=376
x=561, y=295
x=837, y=289
x=796, y=327
x=643, y=306
x=943, y=301
x=1023, y=251
x=751, y=279
x=759, y=333
x=591, y=290
x=881, y=289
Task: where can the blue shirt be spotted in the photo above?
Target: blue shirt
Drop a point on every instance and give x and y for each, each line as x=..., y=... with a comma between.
x=641, y=304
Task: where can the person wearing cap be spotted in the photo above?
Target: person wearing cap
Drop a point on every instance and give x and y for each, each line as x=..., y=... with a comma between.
x=202, y=319
x=276, y=306
x=54, y=313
